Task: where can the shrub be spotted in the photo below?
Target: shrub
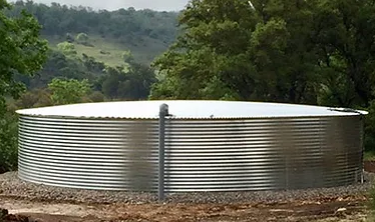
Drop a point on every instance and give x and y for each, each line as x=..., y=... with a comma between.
x=8, y=142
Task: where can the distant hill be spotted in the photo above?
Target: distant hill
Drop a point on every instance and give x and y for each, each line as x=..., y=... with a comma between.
x=145, y=33
x=109, y=50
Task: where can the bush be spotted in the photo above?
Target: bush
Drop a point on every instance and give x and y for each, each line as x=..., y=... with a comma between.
x=9, y=143
x=96, y=97
x=68, y=91
x=82, y=38
x=67, y=48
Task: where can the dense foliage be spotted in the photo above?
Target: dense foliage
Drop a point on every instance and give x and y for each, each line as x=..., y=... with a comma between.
x=315, y=52
x=299, y=51
x=68, y=91
x=126, y=24
x=130, y=80
x=8, y=145
x=68, y=76
x=21, y=52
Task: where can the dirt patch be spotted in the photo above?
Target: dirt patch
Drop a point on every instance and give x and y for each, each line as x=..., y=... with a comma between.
x=340, y=209
x=369, y=166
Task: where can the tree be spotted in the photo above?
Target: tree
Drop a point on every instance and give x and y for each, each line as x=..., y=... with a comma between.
x=345, y=39
x=316, y=52
x=58, y=65
x=131, y=85
x=67, y=48
x=92, y=65
x=82, y=37
x=138, y=83
x=129, y=24
x=8, y=145
x=233, y=50
x=287, y=51
x=67, y=91
x=96, y=97
x=21, y=52
x=34, y=98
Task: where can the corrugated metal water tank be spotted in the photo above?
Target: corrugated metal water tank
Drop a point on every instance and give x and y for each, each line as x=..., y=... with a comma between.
x=210, y=146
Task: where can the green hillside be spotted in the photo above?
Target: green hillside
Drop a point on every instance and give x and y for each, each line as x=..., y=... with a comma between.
x=145, y=33
x=110, y=50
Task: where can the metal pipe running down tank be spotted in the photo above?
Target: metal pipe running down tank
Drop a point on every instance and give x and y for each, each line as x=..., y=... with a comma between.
x=163, y=112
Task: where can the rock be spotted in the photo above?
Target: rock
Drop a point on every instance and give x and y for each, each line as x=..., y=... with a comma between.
x=341, y=209
x=11, y=185
x=341, y=212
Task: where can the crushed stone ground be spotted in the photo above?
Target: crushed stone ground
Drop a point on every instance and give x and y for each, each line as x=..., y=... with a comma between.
x=49, y=204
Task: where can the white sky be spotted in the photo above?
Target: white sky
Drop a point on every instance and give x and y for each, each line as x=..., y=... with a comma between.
x=158, y=5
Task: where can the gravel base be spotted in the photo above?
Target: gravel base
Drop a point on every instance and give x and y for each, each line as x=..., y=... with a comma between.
x=12, y=186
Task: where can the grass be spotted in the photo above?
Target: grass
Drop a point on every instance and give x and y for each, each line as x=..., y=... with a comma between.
x=109, y=50
x=369, y=156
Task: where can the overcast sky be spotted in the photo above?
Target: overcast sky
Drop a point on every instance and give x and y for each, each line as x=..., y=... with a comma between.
x=159, y=5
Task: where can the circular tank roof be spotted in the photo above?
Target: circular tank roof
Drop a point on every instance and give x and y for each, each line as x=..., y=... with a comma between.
x=187, y=109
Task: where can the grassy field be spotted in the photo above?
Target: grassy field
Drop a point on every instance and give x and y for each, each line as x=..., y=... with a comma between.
x=109, y=50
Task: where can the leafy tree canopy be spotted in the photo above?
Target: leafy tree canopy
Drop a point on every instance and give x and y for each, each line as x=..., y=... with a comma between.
x=82, y=37
x=126, y=24
x=68, y=91
x=67, y=48
x=21, y=50
x=319, y=51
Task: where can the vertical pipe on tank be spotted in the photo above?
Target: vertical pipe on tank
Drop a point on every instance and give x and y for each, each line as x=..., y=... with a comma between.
x=163, y=112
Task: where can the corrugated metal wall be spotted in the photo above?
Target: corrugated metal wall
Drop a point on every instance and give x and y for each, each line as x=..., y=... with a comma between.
x=97, y=154
x=201, y=155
